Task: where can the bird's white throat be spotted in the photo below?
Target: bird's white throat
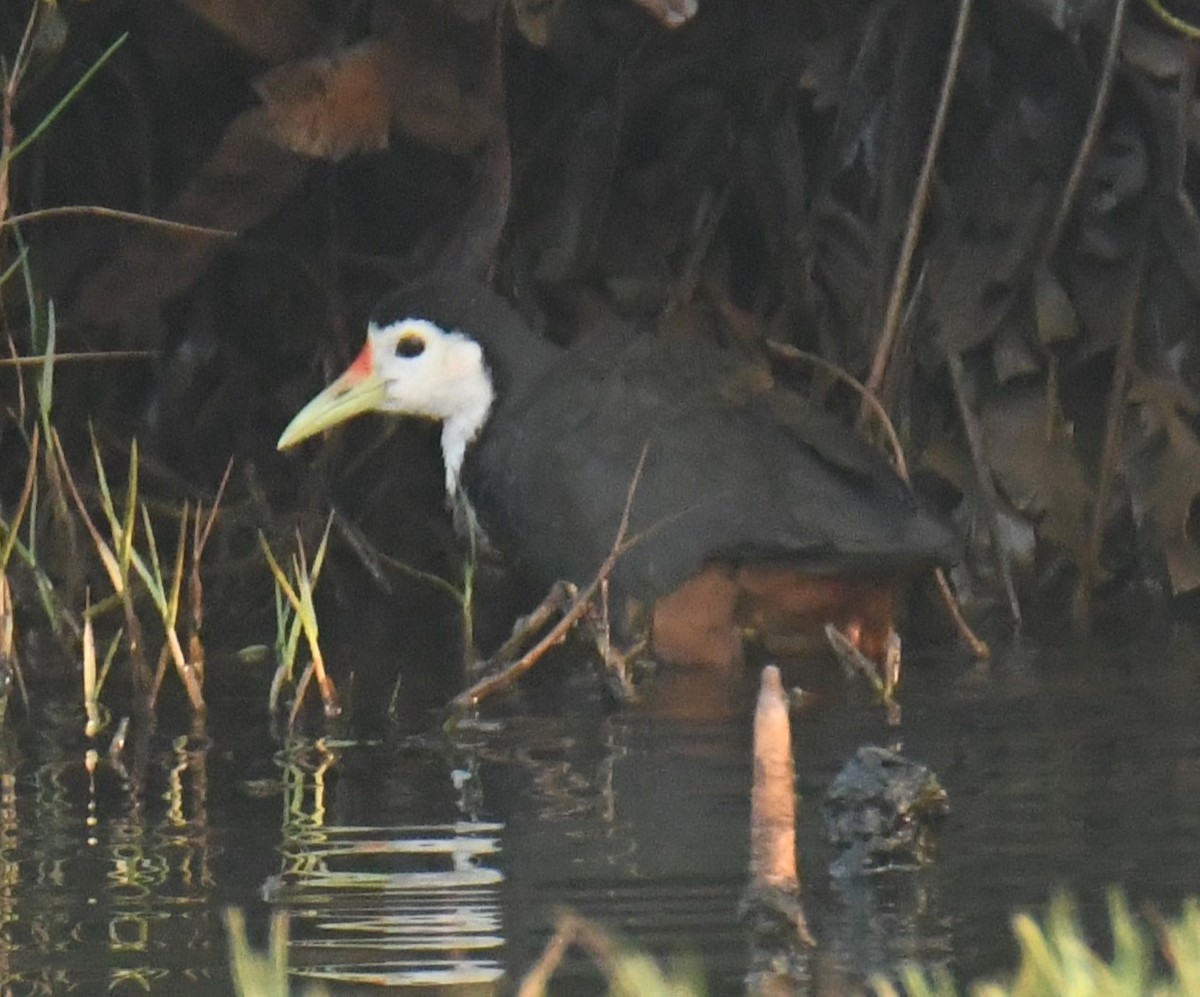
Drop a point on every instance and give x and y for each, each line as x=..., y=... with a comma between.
x=460, y=429
x=469, y=398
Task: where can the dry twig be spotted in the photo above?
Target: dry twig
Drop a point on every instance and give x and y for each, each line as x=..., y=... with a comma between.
x=202, y=527
x=1113, y=425
x=561, y=594
x=912, y=231
x=8, y=131
x=626, y=972
x=883, y=681
x=1174, y=174
x=978, y=647
x=983, y=478
x=471, y=697
x=91, y=356
x=99, y=211
x=1091, y=133
x=8, y=640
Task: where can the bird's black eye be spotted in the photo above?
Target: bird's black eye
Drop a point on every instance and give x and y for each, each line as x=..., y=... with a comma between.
x=410, y=346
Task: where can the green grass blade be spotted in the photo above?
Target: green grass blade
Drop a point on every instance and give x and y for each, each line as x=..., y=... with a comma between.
x=107, y=557
x=254, y=974
x=1131, y=965
x=63, y=102
x=319, y=559
x=180, y=559
x=131, y=502
x=281, y=578
x=46, y=381
x=106, y=499
x=289, y=625
x=28, y=490
x=14, y=267
x=30, y=293
x=109, y=656
x=151, y=575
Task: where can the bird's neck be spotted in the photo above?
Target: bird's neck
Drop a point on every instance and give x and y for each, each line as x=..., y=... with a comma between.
x=463, y=425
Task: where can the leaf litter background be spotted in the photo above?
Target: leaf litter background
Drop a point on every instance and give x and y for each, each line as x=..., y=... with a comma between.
x=710, y=168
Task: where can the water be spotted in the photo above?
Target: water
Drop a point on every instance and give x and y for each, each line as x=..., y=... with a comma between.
x=444, y=867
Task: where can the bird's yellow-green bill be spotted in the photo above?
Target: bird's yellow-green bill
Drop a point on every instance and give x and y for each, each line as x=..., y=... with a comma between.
x=360, y=389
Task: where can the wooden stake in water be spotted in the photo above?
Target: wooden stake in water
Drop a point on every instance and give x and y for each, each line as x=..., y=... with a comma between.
x=773, y=797
x=774, y=891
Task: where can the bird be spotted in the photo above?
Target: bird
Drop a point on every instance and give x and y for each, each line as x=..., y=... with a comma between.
x=749, y=506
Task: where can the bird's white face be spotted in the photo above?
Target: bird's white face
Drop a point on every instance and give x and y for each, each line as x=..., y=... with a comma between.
x=408, y=367
x=427, y=371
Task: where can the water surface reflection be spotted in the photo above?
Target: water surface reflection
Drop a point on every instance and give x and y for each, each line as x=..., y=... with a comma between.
x=438, y=863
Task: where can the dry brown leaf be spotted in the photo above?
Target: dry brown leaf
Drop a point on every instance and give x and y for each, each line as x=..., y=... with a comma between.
x=412, y=79
x=973, y=279
x=534, y=18
x=332, y=106
x=1166, y=481
x=1171, y=502
x=1161, y=399
x=1013, y=355
x=670, y=13
x=1099, y=293
x=1119, y=172
x=970, y=291
x=1039, y=472
x=1052, y=309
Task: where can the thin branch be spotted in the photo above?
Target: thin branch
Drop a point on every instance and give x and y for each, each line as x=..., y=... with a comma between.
x=916, y=214
x=99, y=211
x=202, y=527
x=561, y=594
x=1090, y=134
x=870, y=401
x=978, y=647
x=1175, y=171
x=18, y=515
x=685, y=286
x=12, y=83
x=10, y=661
x=21, y=60
x=91, y=355
x=471, y=697
x=535, y=981
x=501, y=680
x=983, y=479
x=1113, y=424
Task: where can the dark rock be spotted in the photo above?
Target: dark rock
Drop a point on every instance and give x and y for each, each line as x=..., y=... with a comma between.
x=882, y=812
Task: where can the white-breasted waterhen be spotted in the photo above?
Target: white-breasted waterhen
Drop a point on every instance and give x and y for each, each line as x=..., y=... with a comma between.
x=753, y=507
